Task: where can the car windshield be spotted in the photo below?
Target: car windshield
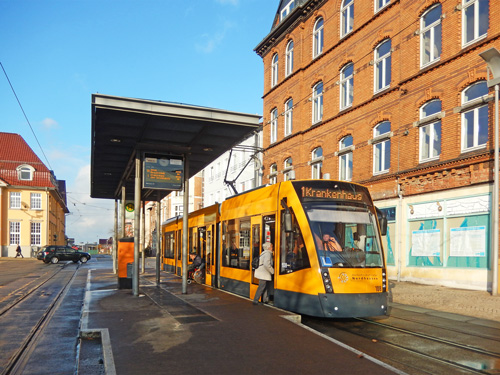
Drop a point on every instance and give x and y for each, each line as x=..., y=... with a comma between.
x=345, y=236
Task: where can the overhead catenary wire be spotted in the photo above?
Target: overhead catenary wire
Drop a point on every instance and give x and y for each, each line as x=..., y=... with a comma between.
x=25, y=116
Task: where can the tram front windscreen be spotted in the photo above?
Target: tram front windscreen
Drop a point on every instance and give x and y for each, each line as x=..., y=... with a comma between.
x=344, y=235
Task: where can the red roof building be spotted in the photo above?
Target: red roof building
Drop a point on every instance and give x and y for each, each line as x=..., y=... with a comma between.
x=32, y=201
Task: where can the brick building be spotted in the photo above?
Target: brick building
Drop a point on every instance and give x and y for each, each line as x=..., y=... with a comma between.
x=32, y=201
x=392, y=94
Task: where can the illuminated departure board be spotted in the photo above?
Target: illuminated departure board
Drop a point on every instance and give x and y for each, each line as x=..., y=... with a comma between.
x=165, y=173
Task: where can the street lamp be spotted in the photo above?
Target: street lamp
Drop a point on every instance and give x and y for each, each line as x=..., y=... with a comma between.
x=492, y=58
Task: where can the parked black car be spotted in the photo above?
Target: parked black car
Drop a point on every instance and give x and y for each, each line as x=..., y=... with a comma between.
x=53, y=254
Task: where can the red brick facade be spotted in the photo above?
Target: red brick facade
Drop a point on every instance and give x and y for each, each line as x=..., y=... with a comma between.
x=410, y=87
x=417, y=188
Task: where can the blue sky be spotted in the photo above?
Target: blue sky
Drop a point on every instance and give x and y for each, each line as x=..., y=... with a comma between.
x=57, y=53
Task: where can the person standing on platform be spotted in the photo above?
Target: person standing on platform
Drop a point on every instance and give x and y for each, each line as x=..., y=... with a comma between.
x=18, y=252
x=265, y=274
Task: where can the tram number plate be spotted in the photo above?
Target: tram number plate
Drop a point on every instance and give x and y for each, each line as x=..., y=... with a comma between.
x=378, y=288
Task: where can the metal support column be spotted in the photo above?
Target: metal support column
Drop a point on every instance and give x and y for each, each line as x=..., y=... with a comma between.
x=143, y=238
x=115, y=238
x=158, y=241
x=122, y=213
x=185, y=214
x=137, y=218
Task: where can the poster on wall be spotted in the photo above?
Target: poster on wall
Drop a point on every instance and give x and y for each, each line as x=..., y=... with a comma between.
x=426, y=243
x=468, y=242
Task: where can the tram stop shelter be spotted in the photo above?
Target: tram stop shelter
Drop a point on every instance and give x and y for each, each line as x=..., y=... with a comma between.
x=126, y=131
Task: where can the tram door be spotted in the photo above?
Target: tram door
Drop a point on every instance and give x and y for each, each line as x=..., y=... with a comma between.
x=202, y=246
x=209, y=259
x=256, y=242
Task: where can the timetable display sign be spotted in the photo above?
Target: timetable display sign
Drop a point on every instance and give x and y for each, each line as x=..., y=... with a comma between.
x=163, y=172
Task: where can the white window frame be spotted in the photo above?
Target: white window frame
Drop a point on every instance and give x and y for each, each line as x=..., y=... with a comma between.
x=15, y=200
x=273, y=174
x=178, y=209
x=433, y=34
x=274, y=70
x=346, y=86
x=345, y=159
x=380, y=143
x=382, y=63
x=432, y=123
x=274, y=126
x=288, y=117
x=288, y=169
x=474, y=6
x=289, y=58
x=475, y=107
x=287, y=9
x=25, y=172
x=317, y=103
x=317, y=163
x=380, y=4
x=14, y=232
x=36, y=201
x=346, y=17
x=36, y=233
x=318, y=37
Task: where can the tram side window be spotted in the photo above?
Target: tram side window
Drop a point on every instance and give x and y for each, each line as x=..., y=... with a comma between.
x=293, y=253
x=169, y=245
x=237, y=243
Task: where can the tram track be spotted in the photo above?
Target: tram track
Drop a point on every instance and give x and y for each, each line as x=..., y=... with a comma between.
x=24, y=292
x=417, y=347
x=39, y=310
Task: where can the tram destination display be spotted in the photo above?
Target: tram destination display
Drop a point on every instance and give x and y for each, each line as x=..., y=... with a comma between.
x=163, y=173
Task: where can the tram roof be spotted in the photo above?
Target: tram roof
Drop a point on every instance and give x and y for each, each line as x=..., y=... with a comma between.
x=123, y=127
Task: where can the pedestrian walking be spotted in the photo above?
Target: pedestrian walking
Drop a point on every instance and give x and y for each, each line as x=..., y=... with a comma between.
x=18, y=252
x=265, y=274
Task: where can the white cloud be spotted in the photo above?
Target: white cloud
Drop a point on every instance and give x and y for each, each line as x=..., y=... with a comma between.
x=210, y=41
x=49, y=123
x=90, y=219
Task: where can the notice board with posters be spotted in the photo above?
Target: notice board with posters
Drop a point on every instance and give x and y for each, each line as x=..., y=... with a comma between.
x=163, y=172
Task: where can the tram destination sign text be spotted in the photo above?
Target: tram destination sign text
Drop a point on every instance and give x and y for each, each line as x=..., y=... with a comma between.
x=163, y=173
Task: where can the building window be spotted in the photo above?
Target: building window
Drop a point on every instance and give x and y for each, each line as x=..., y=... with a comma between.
x=274, y=125
x=379, y=4
x=273, y=174
x=317, y=101
x=15, y=233
x=178, y=210
x=288, y=117
x=474, y=117
x=475, y=20
x=289, y=58
x=430, y=131
x=317, y=163
x=318, y=38
x=345, y=158
x=430, y=36
x=36, y=234
x=36, y=201
x=288, y=171
x=347, y=17
x=346, y=86
x=382, y=65
x=15, y=201
x=25, y=173
x=286, y=10
x=274, y=70
x=381, y=147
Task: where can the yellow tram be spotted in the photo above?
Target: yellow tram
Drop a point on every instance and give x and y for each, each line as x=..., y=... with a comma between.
x=328, y=256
